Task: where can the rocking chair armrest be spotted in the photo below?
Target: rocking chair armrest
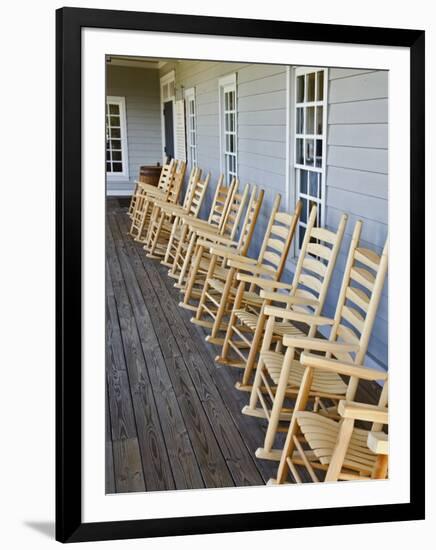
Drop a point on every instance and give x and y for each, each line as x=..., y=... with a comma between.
x=151, y=190
x=280, y=297
x=170, y=208
x=197, y=225
x=317, y=344
x=254, y=269
x=228, y=252
x=378, y=443
x=307, y=318
x=363, y=411
x=210, y=238
x=262, y=283
x=340, y=367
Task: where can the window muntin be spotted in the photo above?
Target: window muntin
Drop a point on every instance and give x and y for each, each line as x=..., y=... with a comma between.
x=229, y=135
x=191, y=126
x=116, y=149
x=310, y=143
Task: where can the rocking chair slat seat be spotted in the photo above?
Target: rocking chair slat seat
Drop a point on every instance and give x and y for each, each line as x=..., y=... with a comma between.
x=325, y=382
x=321, y=434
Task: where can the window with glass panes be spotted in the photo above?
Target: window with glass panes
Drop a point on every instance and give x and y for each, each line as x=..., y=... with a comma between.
x=191, y=123
x=116, y=157
x=310, y=142
x=229, y=128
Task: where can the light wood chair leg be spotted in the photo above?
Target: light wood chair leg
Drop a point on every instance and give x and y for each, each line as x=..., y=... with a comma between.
x=192, y=274
x=300, y=405
x=153, y=220
x=381, y=467
x=177, y=255
x=209, y=275
x=252, y=355
x=225, y=349
x=340, y=450
x=257, y=383
x=166, y=258
x=155, y=236
x=279, y=398
x=223, y=303
x=187, y=260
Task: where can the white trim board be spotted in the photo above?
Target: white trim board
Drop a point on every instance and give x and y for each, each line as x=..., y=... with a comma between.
x=124, y=175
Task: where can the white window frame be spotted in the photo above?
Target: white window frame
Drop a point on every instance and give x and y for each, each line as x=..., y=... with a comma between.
x=227, y=84
x=166, y=80
x=192, y=147
x=124, y=175
x=321, y=201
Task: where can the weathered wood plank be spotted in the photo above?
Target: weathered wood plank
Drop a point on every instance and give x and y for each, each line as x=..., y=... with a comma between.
x=109, y=480
x=128, y=468
x=157, y=470
x=239, y=459
x=172, y=414
x=180, y=369
x=209, y=457
x=120, y=401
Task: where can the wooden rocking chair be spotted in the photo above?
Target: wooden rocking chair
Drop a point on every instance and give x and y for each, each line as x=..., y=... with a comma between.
x=142, y=188
x=306, y=295
x=219, y=288
x=166, y=223
x=175, y=254
x=145, y=203
x=207, y=264
x=332, y=450
x=279, y=376
x=311, y=273
x=197, y=229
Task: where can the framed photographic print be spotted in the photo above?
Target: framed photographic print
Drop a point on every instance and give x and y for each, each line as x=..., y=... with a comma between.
x=240, y=266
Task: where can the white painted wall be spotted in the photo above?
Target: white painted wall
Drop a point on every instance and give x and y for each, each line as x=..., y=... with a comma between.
x=140, y=87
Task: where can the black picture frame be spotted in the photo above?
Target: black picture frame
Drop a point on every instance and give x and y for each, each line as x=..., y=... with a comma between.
x=69, y=22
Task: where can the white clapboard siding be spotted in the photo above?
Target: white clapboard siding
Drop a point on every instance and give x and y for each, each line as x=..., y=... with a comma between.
x=140, y=87
x=261, y=96
x=371, y=111
x=357, y=174
x=373, y=85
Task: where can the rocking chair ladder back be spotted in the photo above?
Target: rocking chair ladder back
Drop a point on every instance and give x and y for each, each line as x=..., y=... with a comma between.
x=215, y=253
x=146, y=204
x=180, y=229
x=145, y=195
x=139, y=185
x=304, y=300
x=191, y=274
x=165, y=228
x=266, y=272
x=216, y=219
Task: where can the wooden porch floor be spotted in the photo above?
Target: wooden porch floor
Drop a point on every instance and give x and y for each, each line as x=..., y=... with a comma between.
x=173, y=417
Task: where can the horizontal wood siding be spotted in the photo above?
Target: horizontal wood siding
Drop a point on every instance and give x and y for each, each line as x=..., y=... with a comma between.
x=261, y=91
x=357, y=174
x=140, y=87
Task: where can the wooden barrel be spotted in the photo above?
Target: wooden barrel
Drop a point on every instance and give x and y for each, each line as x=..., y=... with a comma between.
x=150, y=174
